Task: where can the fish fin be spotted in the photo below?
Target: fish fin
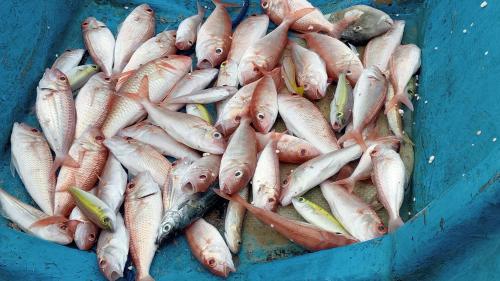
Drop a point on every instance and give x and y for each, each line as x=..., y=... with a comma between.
x=291, y=18
x=201, y=10
x=401, y=97
x=344, y=172
x=146, y=278
x=48, y=221
x=120, y=78
x=231, y=197
x=219, y=2
x=348, y=183
x=407, y=139
x=63, y=161
x=395, y=223
x=13, y=165
x=356, y=135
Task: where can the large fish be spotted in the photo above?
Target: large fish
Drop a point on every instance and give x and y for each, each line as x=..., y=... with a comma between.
x=93, y=103
x=290, y=149
x=139, y=157
x=246, y=33
x=188, y=29
x=201, y=174
x=239, y=160
x=68, y=60
x=156, y=137
x=91, y=155
x=289, y=73
x=79, y=75
x=338, y=57
x=112, y=183
x=266, y=179
x=311, y=71
x=208, y=246
x=379, y=50
x=55, y=110
x=264, y=103
x=356, y=216
x=404, y=63
x=163, y=44
x=56, y=229
x=390, y=179
x=100, y=42
x=233, y=222
x=112, y=250
x=143, y=211
x=266, y=52
x=304, y=234
x=138, y=27
x=214, y=37
x=85, y=231
x=162, y=73
x=371, y=23
x=369, y=96
x=341, y=105
x=94, y=209
x=32, y=160
x=304, y=120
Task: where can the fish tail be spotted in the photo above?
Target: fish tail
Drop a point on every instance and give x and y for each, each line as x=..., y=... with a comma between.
x=355, y=135
x=220, y=3
x=348, y=183
x=65, y=160
x=201, y=10
x=292, y=18
x=399, y=97
x=395, y=223
x=232, y=197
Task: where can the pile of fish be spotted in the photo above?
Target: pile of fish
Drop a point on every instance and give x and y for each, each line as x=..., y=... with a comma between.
x=110, y=182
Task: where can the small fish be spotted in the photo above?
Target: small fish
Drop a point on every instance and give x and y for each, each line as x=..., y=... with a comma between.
x=304, y=234
x=379, y=50
x=139, y=157
x=266, y=179
x=85, y=231
x=390, y=179
x=100, y=42
x=112, y=184
x=239, y=160
x=290, y=149
x=94, y=208
x=208, y=246
x=79, y=75
x=143, y=211
x=91, y=155
x=319, y=169
x=357, y=217
x=304, y=120
x=371, y=23
x=201, y=174
x=214, y=37
x=93, y=103
x=228, y=74
x=68, y=60
x=338, y=57
x=136, y=29
x=175, y=221
x=188, y=29
x=162, y=73
x=55, y=229
x=233, y=222
x=199, y=110
x=32, y=159
x=266, y=52
x=264, y=103
x=190, y=83
x=369, y=96
x=156, y=137
x=55, y=110
x=341, y=106
x=288, y=72
x=210, y=95
x=394, y=119
x=311, y=71
x=163, y=44
x=173, y=195
x=318, y=216
x=112, y=250
x=404, y=63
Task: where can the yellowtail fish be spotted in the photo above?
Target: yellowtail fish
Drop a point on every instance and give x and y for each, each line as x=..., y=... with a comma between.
x=341, y=106
x=79, y=75
x=233, y=222
x=288, y=73
x=311, y=71
x=318, y=216
x=94, y=208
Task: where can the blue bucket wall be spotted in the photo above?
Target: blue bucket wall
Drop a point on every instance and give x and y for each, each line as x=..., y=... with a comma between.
x=455, y=232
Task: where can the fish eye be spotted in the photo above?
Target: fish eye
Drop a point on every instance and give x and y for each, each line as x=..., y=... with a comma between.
x=94, y=66
x=381, y=227
x=202, y=177
x=285, y=181
x=190, y=43
x=175, y=35
x=238, y=174
x=265, y=4
x=166, y=228
x=68, y=50
x=212, y=262
x=217, y=135
x=270, y=200
x=223, y=64
x=85, y=23
x=34, y=130
x=306, y=87
x=128, y=138
x=237, y=118
x=253, y=15
x=303, y=151
x=260, y=115
x=63, y=226
x=102, y=263
x=92, y=237
x=107, y=79
x=131, y=185
x=255, y=69
x=106, y=220
x=62, y=78
x=149, y=10
x=339, y=114
x=99, y=138
x=348, y=72
x=357, y=28
x=218, y=51
x=302, y=199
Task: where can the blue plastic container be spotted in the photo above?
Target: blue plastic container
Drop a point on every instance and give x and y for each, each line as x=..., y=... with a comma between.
x=453, y=233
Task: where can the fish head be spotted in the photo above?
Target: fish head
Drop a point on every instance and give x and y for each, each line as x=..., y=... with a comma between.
x=338, y=119
x=92, y=23
x=120, y=145
x=235, y=177
x=85, y=235
x=219, y=263
x=92, y=139
x=215, y=138
x=143, y=11
x=27, y=132
x=263, y=119
x=229, y=123
x=212, y=52
x=60, y=232
x=228, y=73
x=274, y=8
x=197, y=179
x=248, y=72
x=314, y=89
x=288, y=189
x=55, y=80
x=111, y=265
x=141, y=186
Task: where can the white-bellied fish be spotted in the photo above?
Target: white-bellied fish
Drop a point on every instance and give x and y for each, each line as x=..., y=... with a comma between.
x=100, y=43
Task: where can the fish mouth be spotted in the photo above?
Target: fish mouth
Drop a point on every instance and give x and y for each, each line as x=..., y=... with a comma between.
x=205, y=63
x=188, y=188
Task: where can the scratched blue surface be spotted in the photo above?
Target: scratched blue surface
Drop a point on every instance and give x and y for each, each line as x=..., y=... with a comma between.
x=455, y=234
